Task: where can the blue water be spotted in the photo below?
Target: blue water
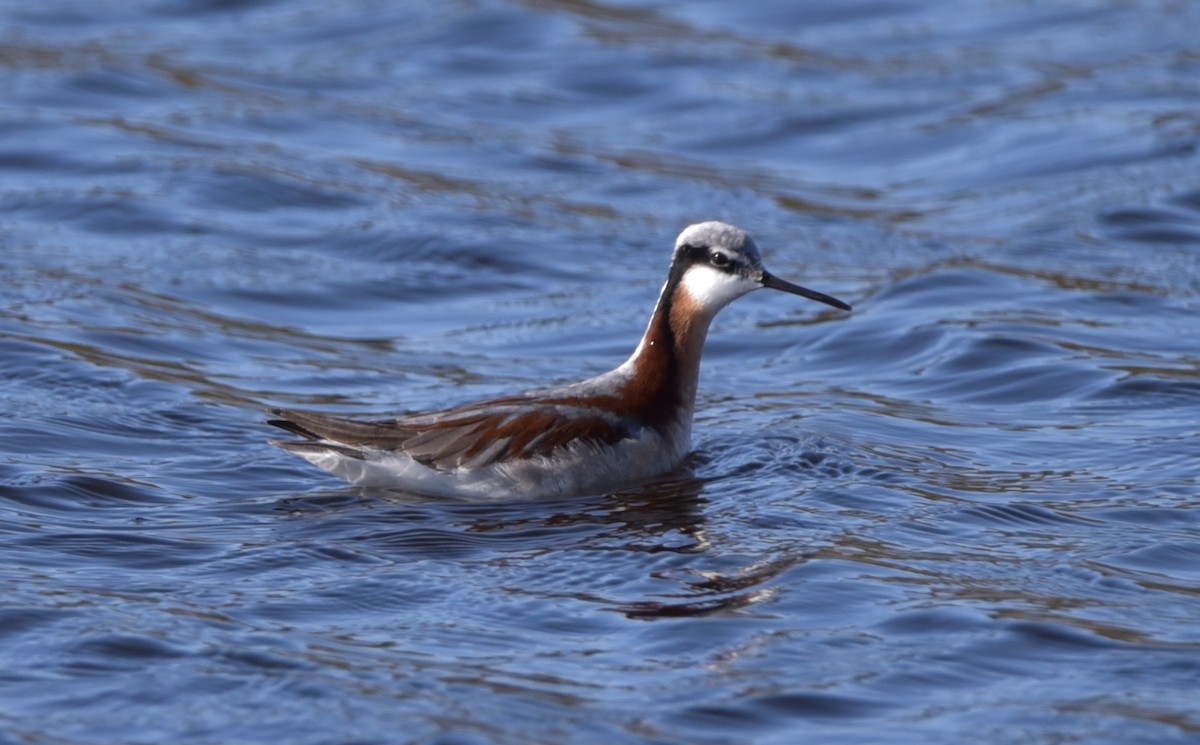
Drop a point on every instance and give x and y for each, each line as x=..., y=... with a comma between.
x=967, y=512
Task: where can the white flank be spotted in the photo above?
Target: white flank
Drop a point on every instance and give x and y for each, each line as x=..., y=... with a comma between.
x=579, y=468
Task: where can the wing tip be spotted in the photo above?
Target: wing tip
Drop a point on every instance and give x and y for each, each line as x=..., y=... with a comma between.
x=286, y=420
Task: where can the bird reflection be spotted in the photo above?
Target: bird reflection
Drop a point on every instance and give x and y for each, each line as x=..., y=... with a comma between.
x=579, y=549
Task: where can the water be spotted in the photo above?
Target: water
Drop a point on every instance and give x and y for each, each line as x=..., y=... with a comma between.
x=966, y=512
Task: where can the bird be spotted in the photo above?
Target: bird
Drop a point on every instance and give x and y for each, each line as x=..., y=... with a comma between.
x=600, y=435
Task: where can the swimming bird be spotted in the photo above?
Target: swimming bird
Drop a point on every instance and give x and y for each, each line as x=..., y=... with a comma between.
x=624, y=426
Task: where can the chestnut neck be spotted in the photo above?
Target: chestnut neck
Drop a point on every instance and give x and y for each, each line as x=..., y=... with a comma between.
x=666, y=364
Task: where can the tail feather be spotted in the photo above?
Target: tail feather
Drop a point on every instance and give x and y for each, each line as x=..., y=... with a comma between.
x=338, y=431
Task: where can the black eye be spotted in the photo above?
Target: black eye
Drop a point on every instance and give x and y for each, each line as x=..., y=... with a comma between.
x=718, y=259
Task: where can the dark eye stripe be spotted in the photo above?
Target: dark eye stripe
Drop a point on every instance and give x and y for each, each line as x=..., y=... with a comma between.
x=713, y=257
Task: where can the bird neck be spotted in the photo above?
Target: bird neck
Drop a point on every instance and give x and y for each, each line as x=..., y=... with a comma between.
x=666, y=364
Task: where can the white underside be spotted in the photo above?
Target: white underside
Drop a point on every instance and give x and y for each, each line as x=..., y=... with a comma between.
x=573, y=470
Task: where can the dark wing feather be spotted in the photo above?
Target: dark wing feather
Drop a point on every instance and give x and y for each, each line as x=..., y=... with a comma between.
x=469, y=436
x=385, y=435
x=478, y=437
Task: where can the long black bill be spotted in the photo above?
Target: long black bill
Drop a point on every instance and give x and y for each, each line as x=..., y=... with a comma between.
x=775, y=283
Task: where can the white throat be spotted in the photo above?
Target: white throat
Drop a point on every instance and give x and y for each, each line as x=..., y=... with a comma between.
x=711, y=290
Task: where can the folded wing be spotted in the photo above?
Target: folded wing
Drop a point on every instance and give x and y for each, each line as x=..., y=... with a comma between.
x=467, y=437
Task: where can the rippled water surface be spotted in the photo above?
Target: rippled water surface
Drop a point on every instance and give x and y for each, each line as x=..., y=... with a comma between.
x=966, y=512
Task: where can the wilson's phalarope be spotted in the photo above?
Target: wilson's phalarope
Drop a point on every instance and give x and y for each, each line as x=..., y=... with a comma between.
x=624, y=426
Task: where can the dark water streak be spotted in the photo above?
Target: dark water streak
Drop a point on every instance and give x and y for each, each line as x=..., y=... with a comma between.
x=967, y=512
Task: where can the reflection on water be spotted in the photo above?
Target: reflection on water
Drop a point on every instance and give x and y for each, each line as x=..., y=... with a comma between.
x=963, y=511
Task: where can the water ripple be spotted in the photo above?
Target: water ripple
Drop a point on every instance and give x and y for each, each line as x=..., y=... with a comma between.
x=965, y=510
